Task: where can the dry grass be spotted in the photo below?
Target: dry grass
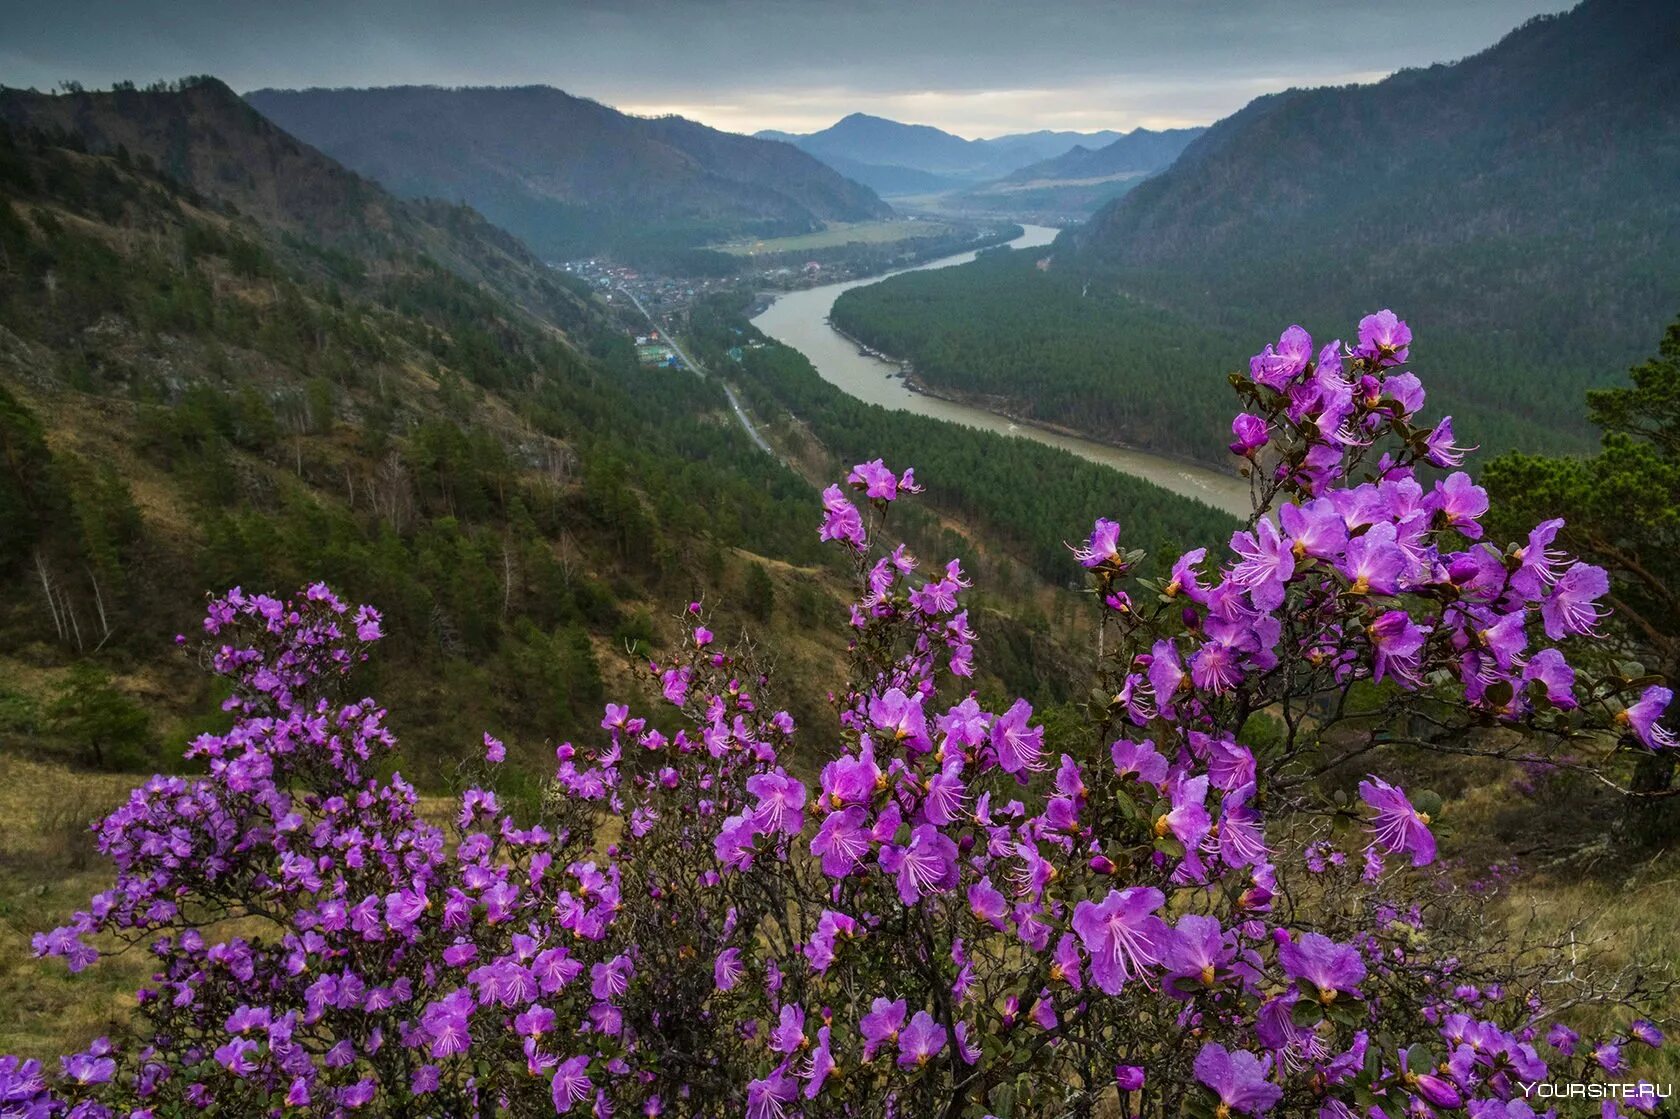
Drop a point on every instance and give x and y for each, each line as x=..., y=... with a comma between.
x=48, y=869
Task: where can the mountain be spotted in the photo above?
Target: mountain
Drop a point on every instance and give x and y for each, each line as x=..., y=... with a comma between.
x=892, y=181
x=1081, y=179
x=887, y=154
x=212, y=377
x=203, y=137
x=260, y=373
x=566, y=175
x=1518, y=207
x=1140, y=151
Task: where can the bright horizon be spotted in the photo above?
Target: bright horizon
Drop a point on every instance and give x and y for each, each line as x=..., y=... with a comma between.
x=975, y=68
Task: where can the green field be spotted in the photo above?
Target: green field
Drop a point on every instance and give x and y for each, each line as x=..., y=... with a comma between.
x=836, y=234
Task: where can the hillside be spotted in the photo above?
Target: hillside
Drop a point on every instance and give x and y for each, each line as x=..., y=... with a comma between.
x=204, y=138
x=569, y=176
x=1140, y=150
x=193, y=397
x=1517, y=207
x=907, y=158
x=1081, y=179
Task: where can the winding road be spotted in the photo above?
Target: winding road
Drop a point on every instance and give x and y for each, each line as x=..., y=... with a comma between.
x=699, y=371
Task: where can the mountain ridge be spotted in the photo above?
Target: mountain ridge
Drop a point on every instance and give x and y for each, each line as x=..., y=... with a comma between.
x=1517, y=207
x=878, y=146
x=565, y=174
x=205, y=137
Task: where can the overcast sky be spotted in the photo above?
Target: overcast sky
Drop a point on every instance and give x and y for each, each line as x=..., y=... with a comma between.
x=974, y=67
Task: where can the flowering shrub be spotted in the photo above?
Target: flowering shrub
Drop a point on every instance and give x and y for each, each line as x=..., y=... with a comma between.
x=943, y=915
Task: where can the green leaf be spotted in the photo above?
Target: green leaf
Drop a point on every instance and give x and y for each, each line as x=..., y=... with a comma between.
x=1419, y=1059
x=1306, y=1014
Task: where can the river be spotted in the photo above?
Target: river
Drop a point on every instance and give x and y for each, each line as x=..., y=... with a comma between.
x=798, y=319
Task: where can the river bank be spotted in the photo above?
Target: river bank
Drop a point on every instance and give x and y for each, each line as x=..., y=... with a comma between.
x=800, y=319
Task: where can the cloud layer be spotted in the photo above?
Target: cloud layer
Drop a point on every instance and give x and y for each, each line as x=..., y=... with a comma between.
x=975, y=67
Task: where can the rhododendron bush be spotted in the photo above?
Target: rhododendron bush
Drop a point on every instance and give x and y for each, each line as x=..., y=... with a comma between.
x=935, y=913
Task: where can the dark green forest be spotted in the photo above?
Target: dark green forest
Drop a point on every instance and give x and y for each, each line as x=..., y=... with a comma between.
x=1029, y=495
x=1001, y=332
x=1517, y=208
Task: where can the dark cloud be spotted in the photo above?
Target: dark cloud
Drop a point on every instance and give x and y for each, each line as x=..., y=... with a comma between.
x=976, y=67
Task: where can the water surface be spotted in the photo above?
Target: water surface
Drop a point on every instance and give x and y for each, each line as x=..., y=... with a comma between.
x=799, y=319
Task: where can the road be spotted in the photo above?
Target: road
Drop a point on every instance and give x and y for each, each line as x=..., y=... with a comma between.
x=734, y=401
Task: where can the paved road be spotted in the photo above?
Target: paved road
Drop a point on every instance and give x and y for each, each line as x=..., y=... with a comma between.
x=734, y=401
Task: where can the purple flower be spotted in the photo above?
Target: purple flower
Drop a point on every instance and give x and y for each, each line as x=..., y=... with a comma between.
x=841, y=520
x=1647, y=1033
x=1237, y=1078
x=781, y=802
x=1554, y=674
x=1121, y=934
x=926, y=865
x=1641, y=718
x=1184, y=578
x=1572, y=607
x=1457, y=503
x=900, y=716
x=1331, y=969
x=1373, y=563
x=1102, y=549
x=877, y=482
x=1067, y=967
x=1018, y=746
x=831, y=926
x=1140, y=760
x=1130, y=1078
x=1396, y=643
x=1384, y=338
x=1397, y=827
x=841, y=841
x=1439, y=447
x=1276, y=366
x=1315, y=529
x=1166, y=674
x=494, y=751
x=766, y=1095
x=571, y=1084
x=1607, y=1055
x=1266, y=565
x=96, y=1068
x=1188, y=818
x=1196, y=953
x=728, y=969
x=882, y=1024
x=789, y=1034
x=1439, y=1091
x=822, y=1064
x=987, y=903
x=1250, y=434
x=921, y=1041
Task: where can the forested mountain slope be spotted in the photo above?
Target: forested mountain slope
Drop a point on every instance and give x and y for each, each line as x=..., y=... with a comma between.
x=1141, y=150
x=204, y=138
x=566, y=175
x=195, y=394
x=190, y=399
x=1080, y=180
x=1519, y=205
